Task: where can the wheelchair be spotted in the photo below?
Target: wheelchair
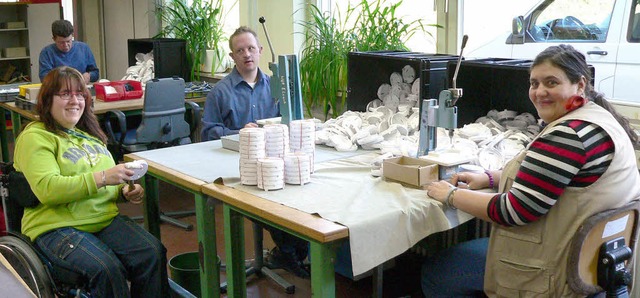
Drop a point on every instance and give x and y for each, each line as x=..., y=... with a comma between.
x=44, y=279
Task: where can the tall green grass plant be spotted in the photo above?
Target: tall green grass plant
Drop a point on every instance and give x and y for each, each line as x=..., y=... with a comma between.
x=329, y=37
x=201, y=24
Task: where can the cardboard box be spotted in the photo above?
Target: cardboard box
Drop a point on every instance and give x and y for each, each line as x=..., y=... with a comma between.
x=14, y=52
x=12, y=25
x=23, y=88
x=32, y=94
x=414, y=172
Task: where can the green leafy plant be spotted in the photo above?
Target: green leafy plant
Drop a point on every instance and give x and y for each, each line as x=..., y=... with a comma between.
x=328, y=39
x=200, y=24
x=323, y=66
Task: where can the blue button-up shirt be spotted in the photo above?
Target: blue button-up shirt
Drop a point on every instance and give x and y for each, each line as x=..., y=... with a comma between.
x=79, y=57
x=232, y=103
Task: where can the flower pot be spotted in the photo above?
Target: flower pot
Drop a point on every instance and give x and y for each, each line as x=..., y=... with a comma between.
x=210, y=60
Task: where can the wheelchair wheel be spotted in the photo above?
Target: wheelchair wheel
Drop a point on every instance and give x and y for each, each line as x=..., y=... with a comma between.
x=27, y=264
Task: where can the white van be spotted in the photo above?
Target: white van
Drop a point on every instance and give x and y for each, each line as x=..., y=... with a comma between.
x=606, y=31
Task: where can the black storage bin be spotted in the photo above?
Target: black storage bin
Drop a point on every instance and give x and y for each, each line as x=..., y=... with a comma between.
x=169, y=56
x=366, y=71
x=492, y=84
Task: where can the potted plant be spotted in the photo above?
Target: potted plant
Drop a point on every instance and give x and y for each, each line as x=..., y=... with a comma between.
x=200, y=24
x=328, y=38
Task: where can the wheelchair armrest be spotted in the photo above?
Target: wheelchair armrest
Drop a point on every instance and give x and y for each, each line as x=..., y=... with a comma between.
x=194, y=114
x=122, y=123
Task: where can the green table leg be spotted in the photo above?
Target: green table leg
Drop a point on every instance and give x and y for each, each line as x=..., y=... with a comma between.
x=3, y=137
x=323, y=282
x=234, y=246
x=205, y=222
x=16, y=121
x=151, y=207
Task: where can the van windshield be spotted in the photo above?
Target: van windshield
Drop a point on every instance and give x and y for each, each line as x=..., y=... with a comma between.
x=572, y=20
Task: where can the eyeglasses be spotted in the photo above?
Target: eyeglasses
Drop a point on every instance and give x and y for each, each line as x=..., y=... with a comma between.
x=67, y=95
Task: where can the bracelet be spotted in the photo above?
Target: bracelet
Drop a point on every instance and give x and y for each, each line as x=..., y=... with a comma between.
x=104, y=179
x=449, y=201
x=491, y=182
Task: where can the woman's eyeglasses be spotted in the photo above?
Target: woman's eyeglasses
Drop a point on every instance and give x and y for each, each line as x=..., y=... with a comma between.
x=68, y=95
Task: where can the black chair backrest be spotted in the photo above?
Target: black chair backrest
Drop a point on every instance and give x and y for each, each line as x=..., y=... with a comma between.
x=19, y=197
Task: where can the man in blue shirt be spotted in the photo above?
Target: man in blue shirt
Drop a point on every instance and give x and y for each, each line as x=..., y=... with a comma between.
x=237, y=101
x=65, y=51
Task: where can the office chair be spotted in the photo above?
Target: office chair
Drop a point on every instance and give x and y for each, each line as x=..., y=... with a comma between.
x=600, y=257
x=162, y=124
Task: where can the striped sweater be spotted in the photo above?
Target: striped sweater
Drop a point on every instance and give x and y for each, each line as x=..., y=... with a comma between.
x=574, y=154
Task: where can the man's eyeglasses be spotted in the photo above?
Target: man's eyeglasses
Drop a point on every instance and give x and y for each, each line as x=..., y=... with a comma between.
x=250, y=49
x=67, y=95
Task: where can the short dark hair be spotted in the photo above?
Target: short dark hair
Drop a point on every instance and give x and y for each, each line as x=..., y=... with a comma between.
x=240, y=30
x=62, y=28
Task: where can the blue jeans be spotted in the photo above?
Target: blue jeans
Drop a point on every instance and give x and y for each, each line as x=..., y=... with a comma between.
x=123, y=250
x=457, y=271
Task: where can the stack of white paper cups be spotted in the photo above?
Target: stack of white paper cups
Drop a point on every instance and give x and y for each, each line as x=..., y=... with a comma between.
x=297, y=168
x=277, y=140
x=270, y=173
x=302, y=138
x=252, y=147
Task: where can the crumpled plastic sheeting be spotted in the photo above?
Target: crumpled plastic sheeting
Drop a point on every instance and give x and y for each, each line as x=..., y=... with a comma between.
x=143, y=71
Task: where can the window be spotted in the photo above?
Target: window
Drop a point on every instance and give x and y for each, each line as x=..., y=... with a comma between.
x=634, y=28
x=409, y=10
x=572, y=20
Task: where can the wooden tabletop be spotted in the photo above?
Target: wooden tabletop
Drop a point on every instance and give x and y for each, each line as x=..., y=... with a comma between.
x=165, y=173
x=99, y=107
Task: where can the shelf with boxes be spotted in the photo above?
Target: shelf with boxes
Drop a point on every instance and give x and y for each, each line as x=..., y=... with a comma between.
x=15, y=63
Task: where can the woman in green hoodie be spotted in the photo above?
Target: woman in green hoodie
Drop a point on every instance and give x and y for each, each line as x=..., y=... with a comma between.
x=77, y=224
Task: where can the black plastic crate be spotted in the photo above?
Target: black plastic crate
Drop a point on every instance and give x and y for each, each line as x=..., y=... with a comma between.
x=492, y=84
x=366, y=71
x=169, y=56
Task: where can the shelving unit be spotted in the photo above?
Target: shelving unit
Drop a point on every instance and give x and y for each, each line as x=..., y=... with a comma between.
x=14, y=41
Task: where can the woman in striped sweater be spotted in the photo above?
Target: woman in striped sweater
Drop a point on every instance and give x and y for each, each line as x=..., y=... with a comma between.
x=576, y=167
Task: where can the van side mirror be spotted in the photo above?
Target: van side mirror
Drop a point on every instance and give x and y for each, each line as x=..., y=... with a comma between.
x=517, y=26
x=517, y=31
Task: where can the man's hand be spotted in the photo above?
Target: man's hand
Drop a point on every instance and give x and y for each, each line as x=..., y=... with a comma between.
x=250, y=124
x=87, y=77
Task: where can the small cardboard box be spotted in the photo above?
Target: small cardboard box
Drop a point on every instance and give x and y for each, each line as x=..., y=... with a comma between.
x=12, y=25
x=32, y=94
x=14, y=52
x=411, y=171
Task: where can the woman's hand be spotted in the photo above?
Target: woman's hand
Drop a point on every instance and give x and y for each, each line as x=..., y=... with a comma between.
x=134, y=195
x=439, y=190
x=470, y=180
x=118, y=175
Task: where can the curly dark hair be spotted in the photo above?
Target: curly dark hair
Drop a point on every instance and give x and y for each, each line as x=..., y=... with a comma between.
x=57, y=79
x=573, y=63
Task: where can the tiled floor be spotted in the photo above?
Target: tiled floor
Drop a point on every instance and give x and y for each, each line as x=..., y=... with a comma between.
x=400, y=281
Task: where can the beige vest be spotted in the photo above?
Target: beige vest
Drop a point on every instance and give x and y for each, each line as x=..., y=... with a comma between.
x=531, y=260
